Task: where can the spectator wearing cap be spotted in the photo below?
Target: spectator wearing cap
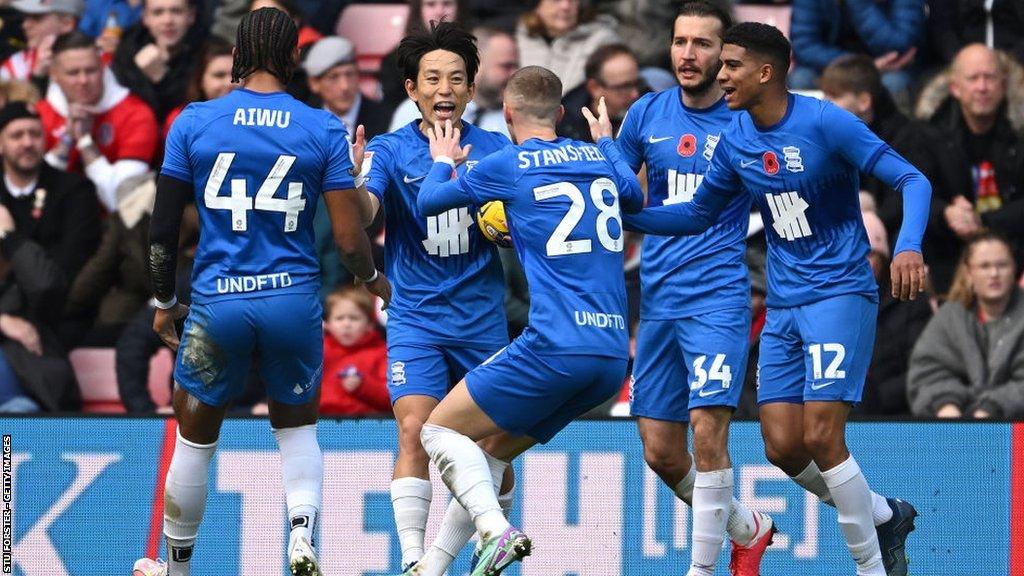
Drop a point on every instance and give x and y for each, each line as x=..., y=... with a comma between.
x=43, y=22
x=899, y=325
x=92, y=123
x=155, y=58
x=333, y=79
x=49, y=227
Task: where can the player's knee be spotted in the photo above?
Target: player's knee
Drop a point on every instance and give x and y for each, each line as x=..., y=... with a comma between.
x=663, y=458
x=410, y=429
x=785, y=453
x=822, y=439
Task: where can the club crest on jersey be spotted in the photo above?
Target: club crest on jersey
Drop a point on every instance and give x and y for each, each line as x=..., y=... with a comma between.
x=687, y=145
x=770, y=162
x=106, y=134
x=470, y=164
x=709, y=146
x=794, y=163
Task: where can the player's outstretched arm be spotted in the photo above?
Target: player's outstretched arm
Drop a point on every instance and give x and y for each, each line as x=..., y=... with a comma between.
x=907, y=268
x=631, y=194
x=343, y=206
x=684, y=219
x=172, y=195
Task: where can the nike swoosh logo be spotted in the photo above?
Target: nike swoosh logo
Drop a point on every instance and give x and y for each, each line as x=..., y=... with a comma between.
x=654, y=140
x=411, y=180
x=822, y=385
x=747, y=164
x=706, y=393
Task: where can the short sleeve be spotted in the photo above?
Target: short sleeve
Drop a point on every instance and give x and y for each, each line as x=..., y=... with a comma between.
x=138, y=133
x=491, y=179
x=629, y=140
x=337, y=175
x=851, y=138
x=176, y=148
x=377, y=166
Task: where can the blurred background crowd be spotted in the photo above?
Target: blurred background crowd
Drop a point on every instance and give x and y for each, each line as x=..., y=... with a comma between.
x=89, y=89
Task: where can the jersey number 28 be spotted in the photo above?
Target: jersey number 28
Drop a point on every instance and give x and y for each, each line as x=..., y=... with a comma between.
x=239, y=203
x=559, y=244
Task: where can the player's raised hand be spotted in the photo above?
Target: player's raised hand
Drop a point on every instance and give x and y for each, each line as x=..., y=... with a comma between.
x=358, y=150
x=600, y=126
x=445, y=141
x=381, y=287
x=164, y=324
x=908, y=275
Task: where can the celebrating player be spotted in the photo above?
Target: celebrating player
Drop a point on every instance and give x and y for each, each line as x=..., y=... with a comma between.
x=695, y=307
x=447, y=314
x=562, y=202
x=255, y=161
x=799, y=158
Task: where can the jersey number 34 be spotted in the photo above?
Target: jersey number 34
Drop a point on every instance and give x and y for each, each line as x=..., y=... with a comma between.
x=239, y=203
x=558, y=243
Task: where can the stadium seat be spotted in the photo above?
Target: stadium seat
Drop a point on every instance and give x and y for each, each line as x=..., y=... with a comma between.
x=777, y=16
x=375, y=29
x=97, y=378
x=161, y=366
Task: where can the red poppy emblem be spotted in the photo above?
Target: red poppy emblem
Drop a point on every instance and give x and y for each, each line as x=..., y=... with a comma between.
x=771, y=163
x=687, y=145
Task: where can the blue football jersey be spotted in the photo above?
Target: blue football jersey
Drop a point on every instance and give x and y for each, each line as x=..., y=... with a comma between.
x=562, y=204
x=682, y=276
x=803, y=172
x=447, y=278
x=258, y=163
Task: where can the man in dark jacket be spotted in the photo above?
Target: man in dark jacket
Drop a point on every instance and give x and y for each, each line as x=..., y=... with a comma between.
x=854, y=83
x=953, y=24
x=612, y=72
x=49, y=227
x=982, y=147
x=155, y=58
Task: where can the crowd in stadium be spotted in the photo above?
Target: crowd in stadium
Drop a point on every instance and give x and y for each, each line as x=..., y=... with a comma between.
x=90, y=88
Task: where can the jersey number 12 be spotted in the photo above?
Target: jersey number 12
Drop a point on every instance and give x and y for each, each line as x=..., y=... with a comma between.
x=559, y=244
x=239, y=203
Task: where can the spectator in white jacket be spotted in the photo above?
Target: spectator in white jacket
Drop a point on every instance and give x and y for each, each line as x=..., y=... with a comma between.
x=560, y=35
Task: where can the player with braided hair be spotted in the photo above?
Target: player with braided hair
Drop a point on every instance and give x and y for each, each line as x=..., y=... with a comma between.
x=255, y=280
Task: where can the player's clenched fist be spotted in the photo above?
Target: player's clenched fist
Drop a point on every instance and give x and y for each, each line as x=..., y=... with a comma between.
x=908, y=275
x=164, y=324
x=379, y=286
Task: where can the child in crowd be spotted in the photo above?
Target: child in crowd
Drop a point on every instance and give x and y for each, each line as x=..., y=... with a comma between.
x=355, y=356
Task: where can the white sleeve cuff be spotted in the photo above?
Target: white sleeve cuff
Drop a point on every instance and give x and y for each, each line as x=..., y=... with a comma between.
x=446, y=159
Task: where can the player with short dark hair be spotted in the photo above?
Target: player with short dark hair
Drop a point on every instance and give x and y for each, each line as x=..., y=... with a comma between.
x=562, y=201
x=447, y=314
x=800, y=158
x=255, y=162
x=695, y=305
